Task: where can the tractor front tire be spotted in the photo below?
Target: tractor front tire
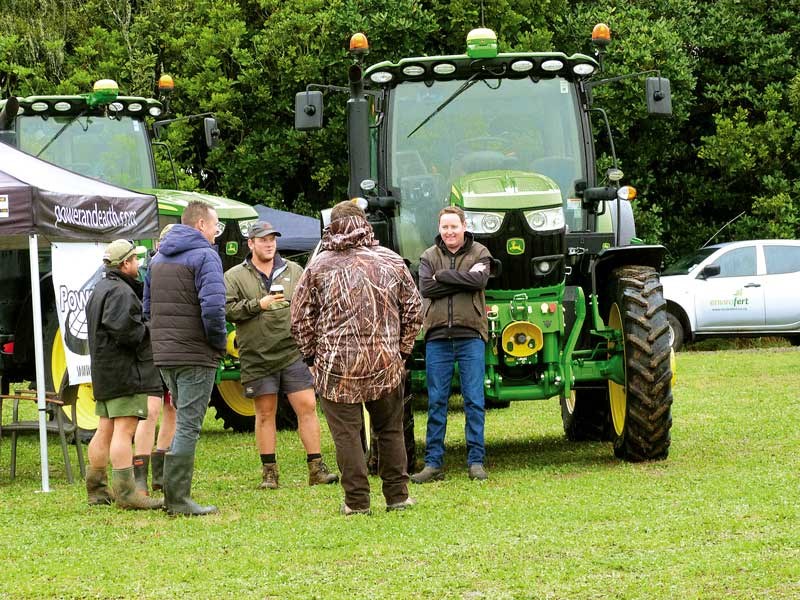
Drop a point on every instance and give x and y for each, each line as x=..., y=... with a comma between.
x=586, y=416
x=641, y=412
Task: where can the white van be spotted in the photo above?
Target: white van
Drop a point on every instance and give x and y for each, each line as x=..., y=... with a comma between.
x=739, y=289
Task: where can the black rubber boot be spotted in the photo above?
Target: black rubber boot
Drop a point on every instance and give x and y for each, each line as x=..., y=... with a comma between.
x=157, y=470
x=141, y=464
x=178, y=472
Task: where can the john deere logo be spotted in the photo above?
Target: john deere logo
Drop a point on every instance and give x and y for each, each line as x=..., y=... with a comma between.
x=231, y=248
x=515, y=246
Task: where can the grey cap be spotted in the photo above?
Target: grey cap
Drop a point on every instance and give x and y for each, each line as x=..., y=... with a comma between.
x=262, y=229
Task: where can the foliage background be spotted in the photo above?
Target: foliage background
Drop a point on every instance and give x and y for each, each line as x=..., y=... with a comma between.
x=730, y=147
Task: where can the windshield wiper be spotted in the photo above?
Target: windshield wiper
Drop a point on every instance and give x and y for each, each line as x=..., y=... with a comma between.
x=462, y=88
x=60, y=131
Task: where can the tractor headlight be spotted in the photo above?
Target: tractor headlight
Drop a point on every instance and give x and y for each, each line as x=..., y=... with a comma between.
x=547, y=219
x=244, y=226
x=483, y=222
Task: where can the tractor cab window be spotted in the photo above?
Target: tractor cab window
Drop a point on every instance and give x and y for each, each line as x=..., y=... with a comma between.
x=115, y=150
x=512, y=125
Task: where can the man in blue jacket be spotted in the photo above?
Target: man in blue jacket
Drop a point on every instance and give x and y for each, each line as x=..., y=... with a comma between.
x=185, y=298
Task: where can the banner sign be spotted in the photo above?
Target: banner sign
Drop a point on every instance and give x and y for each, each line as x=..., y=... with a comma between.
x=77, y=267
x=62, y=216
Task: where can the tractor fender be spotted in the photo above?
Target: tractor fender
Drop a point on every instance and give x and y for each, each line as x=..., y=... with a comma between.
x=610, y=258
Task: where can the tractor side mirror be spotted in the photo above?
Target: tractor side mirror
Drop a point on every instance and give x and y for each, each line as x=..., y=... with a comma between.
x=308, y=110
x=659, y=96
x=211, y=132
x=710, y=271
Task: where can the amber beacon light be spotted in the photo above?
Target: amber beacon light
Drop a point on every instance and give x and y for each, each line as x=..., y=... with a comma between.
x=359, y=44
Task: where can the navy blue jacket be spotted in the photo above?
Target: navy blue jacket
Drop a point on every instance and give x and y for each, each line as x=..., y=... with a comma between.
x=119, y=340
x=184, y=296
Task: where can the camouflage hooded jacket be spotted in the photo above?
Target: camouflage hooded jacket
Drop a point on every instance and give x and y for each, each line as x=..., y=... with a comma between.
x=356, y=311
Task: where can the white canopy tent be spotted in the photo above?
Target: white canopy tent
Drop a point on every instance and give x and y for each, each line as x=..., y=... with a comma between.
x=40, y=203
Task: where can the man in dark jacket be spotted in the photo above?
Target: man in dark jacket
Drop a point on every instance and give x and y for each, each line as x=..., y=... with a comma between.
x=452, y=276
x=185, y=298
x=355, y=314
x=123, y=375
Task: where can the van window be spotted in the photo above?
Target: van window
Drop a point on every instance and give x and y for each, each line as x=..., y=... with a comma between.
x=782, y=259
x=737, y=263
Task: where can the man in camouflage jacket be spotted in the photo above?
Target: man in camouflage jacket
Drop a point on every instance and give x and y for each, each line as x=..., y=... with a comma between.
x=355, y=315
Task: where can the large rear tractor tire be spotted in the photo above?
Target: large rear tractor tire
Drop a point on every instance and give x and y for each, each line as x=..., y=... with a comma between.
x=641, y=412
x=237, y=413
x=586, y=415
x=56, y=372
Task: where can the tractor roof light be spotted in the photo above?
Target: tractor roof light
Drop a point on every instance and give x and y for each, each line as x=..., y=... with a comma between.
x=359, y=45
x=482, y=43
x=601, y=35
x=104, y=91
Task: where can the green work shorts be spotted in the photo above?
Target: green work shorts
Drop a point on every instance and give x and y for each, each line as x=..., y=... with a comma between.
x=134, y=405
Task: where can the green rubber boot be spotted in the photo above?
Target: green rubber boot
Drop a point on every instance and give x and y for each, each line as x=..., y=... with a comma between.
x=97, y=487
x=127, y=496
x=178, y=472
x=157, y=470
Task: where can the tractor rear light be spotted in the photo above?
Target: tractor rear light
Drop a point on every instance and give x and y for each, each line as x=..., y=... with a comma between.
x=553, y=307
x=8, y=348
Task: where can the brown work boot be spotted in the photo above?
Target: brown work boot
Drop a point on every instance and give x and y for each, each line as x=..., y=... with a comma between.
x=318, y=473
x=141, y=464
x=97, y=487
x=126, y=495
x=269, y=476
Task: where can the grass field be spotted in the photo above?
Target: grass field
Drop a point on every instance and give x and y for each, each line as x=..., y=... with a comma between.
x=718, y=519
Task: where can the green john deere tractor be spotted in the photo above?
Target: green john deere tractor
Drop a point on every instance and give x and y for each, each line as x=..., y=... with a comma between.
x=109, y=137
x=575, y=307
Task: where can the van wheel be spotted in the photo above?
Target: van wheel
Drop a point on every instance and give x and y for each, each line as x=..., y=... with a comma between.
x=676, y=333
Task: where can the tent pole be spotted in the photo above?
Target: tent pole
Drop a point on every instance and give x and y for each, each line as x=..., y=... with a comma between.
x=38, y=336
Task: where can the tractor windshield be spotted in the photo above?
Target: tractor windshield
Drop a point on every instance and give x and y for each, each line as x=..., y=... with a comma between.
x=115, y=150
x=502, y=124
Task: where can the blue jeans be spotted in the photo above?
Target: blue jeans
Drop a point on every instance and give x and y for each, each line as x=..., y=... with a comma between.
x=191, y=391
x=440, y=359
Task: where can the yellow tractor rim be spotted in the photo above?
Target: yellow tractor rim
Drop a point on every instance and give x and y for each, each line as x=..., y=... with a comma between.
x=616, y=393
x=84, y=409
x=232, y=393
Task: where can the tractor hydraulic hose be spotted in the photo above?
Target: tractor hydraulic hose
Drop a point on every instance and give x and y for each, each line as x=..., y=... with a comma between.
x=572, y=339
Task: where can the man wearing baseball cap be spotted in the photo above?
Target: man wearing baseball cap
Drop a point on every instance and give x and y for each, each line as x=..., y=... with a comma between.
x=258, y=293
x=123, y=375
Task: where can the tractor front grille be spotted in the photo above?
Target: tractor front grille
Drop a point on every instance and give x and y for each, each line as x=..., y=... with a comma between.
x=522, y=270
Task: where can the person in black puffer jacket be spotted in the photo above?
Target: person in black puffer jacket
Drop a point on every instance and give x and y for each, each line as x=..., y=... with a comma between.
x=123, y=374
